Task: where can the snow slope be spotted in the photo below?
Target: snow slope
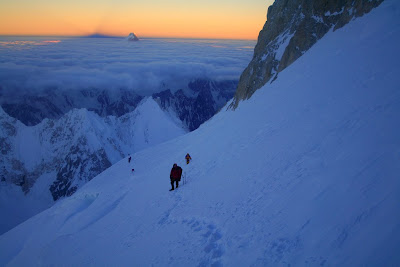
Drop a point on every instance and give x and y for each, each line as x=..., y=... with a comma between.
x=16, y=207
x=306, y=172
x=57, y=156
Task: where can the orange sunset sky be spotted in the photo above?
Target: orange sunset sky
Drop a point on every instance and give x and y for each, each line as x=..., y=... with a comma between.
x=226, y=19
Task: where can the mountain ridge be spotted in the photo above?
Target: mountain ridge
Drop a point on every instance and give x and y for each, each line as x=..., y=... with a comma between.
x=31, y=109
x=78, y=146
x=291, y=29
x=74, y=144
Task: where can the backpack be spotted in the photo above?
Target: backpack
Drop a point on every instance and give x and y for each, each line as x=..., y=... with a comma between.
x=180, y=173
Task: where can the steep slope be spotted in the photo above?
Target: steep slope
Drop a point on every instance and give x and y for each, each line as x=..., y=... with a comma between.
x=291, y=29
x=96, y=143
x=68, y=152
x=304, y=173
x=15, y=206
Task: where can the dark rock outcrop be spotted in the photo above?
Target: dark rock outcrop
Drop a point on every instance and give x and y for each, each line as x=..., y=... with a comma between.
x=203, y=99
x=80, y=166
x=292, y=27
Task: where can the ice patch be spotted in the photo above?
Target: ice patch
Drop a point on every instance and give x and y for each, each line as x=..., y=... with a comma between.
x=282, y=42
x=317, y=19
x=328, y=14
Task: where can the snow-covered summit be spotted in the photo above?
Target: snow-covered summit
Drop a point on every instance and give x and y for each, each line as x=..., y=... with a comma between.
x=148, y=125
x=132, y=37
x=304, y=173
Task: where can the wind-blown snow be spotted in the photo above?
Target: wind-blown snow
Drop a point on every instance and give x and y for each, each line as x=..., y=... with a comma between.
x=303, y=173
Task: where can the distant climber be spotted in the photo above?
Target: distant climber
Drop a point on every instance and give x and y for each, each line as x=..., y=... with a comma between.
x=129, y=159
x=188, y=158
x=175, y=176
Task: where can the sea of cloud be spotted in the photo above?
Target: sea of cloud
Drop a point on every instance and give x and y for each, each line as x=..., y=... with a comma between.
x=148, y=66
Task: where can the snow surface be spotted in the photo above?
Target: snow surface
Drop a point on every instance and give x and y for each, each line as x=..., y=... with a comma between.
x=50, y=140
x=329, y=14
x=16, y=207
x=283, y=42
x=306, y=172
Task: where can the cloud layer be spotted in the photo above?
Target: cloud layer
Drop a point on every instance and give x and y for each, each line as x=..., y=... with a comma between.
x=146, y=67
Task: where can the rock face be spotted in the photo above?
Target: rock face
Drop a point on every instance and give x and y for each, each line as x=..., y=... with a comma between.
x=292, y=27
x=202, y=100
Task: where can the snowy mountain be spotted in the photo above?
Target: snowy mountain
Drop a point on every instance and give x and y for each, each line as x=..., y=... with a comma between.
x=305, y=172
x=77, y=144
x=194, y=104
x=132, y=37
x=32, y=108
x=72, y=150
x=291, y=29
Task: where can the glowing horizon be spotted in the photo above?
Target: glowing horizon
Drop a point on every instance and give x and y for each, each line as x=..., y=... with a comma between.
x=153, y=18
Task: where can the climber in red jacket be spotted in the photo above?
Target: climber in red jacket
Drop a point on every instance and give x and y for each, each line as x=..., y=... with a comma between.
x=175, y=176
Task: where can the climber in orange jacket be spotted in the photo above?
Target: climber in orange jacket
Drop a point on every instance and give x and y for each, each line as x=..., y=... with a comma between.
x=188, y=158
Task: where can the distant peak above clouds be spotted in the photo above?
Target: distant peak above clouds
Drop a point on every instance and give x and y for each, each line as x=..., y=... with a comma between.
x=132, y=37
x=86, y=63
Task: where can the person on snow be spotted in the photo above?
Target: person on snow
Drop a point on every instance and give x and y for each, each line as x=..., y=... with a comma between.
x=188, y=158
x=129, y=159
x=175, y=176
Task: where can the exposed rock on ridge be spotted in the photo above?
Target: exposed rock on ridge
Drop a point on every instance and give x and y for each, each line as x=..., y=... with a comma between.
x=205, y=99
x=292, y=27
